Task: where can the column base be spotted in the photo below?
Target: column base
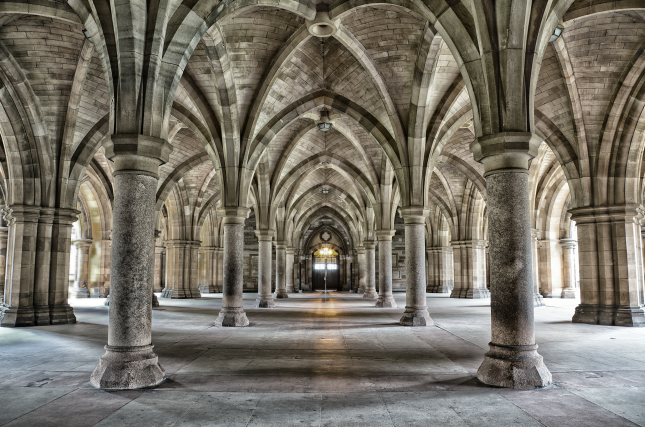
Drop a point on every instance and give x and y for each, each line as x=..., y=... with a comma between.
x=609, y=316
x=416, y=317
x=232, y=317
x=568, y=293
x=155, y=301
x=80, y=293
x=360, y=290
x=264, y=302
x=371, y=294
x=439, y=289
x=519, y=367
x=208, y=289
x=107, y=301
x=62, y=314
x=15, y=317
x=127, y=368
x=477, y=293
x=291, y=290
x=180, y=293
x=282, y=293
x=386, y=302
x=538, y=301
x=41, y=315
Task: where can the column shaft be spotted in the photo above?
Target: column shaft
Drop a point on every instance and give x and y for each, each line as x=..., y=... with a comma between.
x=362, y=269
x=232, y=312
x=281, y=271
x=385, y=298
x=370, y=271
x=265, y=298
x=416, y=311
x=289, y=272
x=538, y=299
x=568, y=267
x=129, y=361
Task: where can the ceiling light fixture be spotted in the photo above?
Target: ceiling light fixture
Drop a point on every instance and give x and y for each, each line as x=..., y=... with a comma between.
x=325, y=191
x=556, y=34
x=324, y=124
x=87, y=36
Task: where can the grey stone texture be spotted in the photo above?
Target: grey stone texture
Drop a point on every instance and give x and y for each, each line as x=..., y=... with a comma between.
x=385, y=298
x=129, y=361
x=513, y=360
x=265, y=296
x=232, y=312
x=416, y=311
x=281, y=271
x=370, y=271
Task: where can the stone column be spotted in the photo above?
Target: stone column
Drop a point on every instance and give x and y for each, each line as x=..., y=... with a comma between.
x=4, y=235
x=43, y=266
x=289, y=270
x=18, y=306
x=81, y=285
x=183, y=269
x=362, y=269
x=281, y=270
x=385, y=298
x=370, y=270
x=265, y=298
x=611, y=265
x=219, y=280
x=447, y=270
x=208, y=270
x=232, y=312
x=569, y=268
x=159, y=269
x=60, y=311
x=470, y=269
x=513, y=360
x=538, y=299
x=416, y=311
x=129, y=361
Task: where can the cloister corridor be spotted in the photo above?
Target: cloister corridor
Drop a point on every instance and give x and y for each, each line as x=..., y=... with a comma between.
x=323, y=363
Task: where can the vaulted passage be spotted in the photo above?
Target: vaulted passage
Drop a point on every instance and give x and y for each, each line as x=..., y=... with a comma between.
x=228, y=160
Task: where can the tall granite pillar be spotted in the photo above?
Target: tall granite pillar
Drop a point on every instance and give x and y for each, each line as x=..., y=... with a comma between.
x=81, y=285
x=43, y=267
x=219, y=276
x=281, y=270
x=129, y=361
x=538, y=299
x=362, y=269
x=513, y=360
x=4, y=235
x=232, y=312
x=370, y=271
x=569, y=268
x=385, y=298
x=416, y=310
x=265, y=298
x=159, y=268
x=289, y=270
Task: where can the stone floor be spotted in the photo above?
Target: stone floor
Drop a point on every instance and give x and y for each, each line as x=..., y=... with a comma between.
x=338, y=362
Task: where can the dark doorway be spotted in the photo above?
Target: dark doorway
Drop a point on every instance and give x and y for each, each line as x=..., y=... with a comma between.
x=333, y=278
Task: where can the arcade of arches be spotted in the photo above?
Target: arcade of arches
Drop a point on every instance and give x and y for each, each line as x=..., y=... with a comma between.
x=164, y=153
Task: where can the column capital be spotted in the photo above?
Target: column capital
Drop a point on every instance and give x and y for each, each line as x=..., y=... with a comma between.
x=233, y=215
x=369, y=244
x=83, y=243
x=535, y=234
x=281, y=244
x=414, y=214
x=569, y=243
x=20, y=213
x=135, y=153
x=290, y=251
x=265, y=235
x=628, y=212
x=360, y=249
x=384, y=235
x=505, y=151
